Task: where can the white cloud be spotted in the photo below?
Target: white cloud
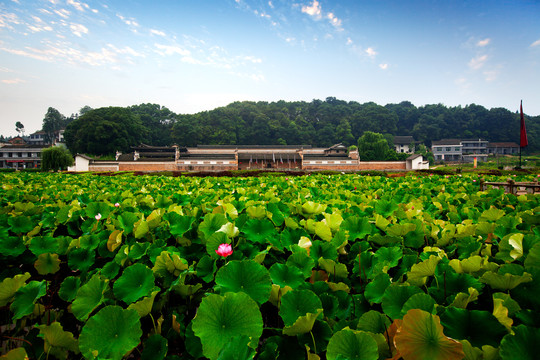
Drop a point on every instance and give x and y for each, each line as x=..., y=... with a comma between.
x=383, y=66
x=171, y=50
x=6, y=20
x=536, y=43
x=371, y=52
x=349, y=41
x=478, y=62
x=13, y=81
x=77, y=5
x=157, y=32
x=491, y=75
x=4, y=69
x=125, y=51
x=78, y=29
x=334, y=21
x=270, y=4
x=313, y=10
x=483, y=43
x=63, y=13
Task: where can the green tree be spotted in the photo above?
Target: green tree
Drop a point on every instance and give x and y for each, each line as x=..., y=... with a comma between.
x=52, y=123
x=56, y=158
x=372, y=147
x=105, y=131
x=19, y=127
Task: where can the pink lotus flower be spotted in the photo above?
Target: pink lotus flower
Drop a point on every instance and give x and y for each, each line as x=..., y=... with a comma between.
x=98, y=216
x=116, y=204
x=224, y=250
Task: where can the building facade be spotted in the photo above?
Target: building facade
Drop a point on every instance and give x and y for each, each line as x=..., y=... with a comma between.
x=17, y=154
x=460, y=150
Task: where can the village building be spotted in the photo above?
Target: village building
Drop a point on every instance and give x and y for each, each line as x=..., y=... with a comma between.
x=503, y=148
x=17, y=154
x=460, y=150
x=404, y=144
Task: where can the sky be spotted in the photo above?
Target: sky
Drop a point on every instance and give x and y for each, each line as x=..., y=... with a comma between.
x=196, y=55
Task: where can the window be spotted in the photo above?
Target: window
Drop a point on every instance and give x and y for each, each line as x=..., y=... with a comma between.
x=457, y=149
x=448, y=149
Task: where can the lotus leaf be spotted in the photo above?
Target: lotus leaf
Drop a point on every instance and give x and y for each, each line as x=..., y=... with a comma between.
x=47, y=264
x=284, y=275
x=155, y=348
x=68, y=289
x=126, y=221
x=12, y=246
x=311, y=208
x=137, y=281
x=21, y=224
x=505, y=281
x=211, y=224
x=421, y=271
x=375, y=289
x=81, y=259
x=15, y=354
x=302, y=261
x=297, y=303
x=523, y=345
x=26, y=297
x=9, y=287
x=421, y=337
x=89, y=296
x=259, y=230
x=144, y=306
x=221, y=318
x=57, y=341
x=394, y=298
x=357, y=227
x=352, y=345
x=43, y=244
x=245, y=276
x=374, y=322
x=419, y=301
x=110, y=334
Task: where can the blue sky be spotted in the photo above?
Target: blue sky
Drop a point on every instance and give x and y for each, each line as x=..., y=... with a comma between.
x=196, y=55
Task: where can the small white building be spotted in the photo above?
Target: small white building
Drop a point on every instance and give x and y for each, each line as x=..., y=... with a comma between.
x=416, y=162
x=404, y=144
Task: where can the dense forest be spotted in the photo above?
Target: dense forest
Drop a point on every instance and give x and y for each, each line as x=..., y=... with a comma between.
x=318, y=123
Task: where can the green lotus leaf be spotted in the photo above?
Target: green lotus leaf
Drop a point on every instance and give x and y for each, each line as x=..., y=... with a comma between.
x=68, y=288
x=468, y=265
x=333, y=221
x=126, y=221
x=463, y=299
x=221, y=318
x=374, y=322
x=140, y=229
x=275, y=213
x=375, y=289
x=284, y=275
x=311, y=208
x=185, y=290
x=9, y=287
x=21, y=224
x=357, y=227
x=302, y=261
x=193, y=343
x=509, y=303
x=533, y=258
x=26, y=297
x=110, y=334
x=47, y=264
x=136, y=281
x=421, y=337
x=318, y=337
x=421, y=271
x=505, y=281
x=89, y=296
x=256, y=212
x=237, y=349
x=94, y=208
x=493, y=214
x=259, y=230
x=386, y=258
x=169, y=265
x=289, y=236
x=110, y=270
x=58, y=342
x=12, y=246
x=211, y=224
x=477, y=326
x=352, y=345
x=394, y=298
x=303, y=324
x=81, y=259
x=323, y=249
x=144, y=306
x=213, y=242
x=15, y=354
x=419, y=301
x=400, y=229
x=43, y=244
x=245, y=276
x=510, y=247
x=155, y=348
x=323, y=231
x=523, y=345
x=385, y=208
x=298, y=303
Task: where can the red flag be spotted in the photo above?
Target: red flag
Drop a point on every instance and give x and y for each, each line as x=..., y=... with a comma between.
x=523, y=132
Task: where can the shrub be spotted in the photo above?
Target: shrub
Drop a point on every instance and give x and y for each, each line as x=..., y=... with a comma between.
x=56, y=158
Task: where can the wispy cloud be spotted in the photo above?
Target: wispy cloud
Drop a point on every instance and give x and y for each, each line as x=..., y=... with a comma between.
x=78, y=5
x=484, y=42
x=478, y=62
x=371, y=52
x=157, y=32
x=63, y=13
x=315, y=11
x=383, y=66
x=13, y=81
x=536, y=43
x=78, y=29
x=165, y=50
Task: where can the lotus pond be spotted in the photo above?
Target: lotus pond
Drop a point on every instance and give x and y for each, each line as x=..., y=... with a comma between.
x=310, y=267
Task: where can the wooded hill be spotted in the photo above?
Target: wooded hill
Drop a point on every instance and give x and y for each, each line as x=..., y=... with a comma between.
x=318, y=123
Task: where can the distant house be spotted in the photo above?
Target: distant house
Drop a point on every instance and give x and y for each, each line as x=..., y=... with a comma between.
x=40, y=138
x=466, y=150
x=416, y=162
x=18, y=154
x=404, y=144
x=503, y=148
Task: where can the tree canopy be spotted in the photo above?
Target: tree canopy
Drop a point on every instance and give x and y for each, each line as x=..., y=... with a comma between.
x=56, y=158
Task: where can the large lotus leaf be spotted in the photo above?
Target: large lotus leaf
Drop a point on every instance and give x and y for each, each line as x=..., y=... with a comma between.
x=81, y=259
x=126, y=221
x=289, y=236
x=358, y=227
x=9, y=287
x=477, y=326
x=169, y=265
x=375, y=289
x=12, y=246
x=386, y=258
x=256, y=212
x=493, y=214
x=374, y=322
x=95, y=208
x=303, y=324
x=47, y=264
x=463, y=299
x=298, y=303
x=395, y=297
x=259, y=230
x=15, y=354
x=333, y=220
x=144, y=306
x=58, y=342
x=352, y=345
x=211, y=224
x=533, y=258
x=302, y=261
x=421, y=271
x=510, y=247
x=221, y=318
x=505, y=281
x=245, y=276
x=400, y=229
x=385, y=208
x=89, y=296
x=26, y=297
x=155, y=348
x=179, y=225
x=213, y=242
x=421, y=337
x=334, y=269
x=137, y=281
x=311, y=208
x=110, y=334
x=284, y=275
x=141, y=228
x=206, y=268
x=43, y=244
x=69, y=287
x=419, y=301
x=21, y=224
x=523, y=345
x=237, y=349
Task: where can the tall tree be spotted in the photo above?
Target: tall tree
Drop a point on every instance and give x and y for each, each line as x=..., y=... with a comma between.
x=19, y=127
x=372, y=146
x=53, y=122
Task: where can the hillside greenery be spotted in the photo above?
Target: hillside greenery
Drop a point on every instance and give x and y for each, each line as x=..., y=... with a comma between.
x=317, y=123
